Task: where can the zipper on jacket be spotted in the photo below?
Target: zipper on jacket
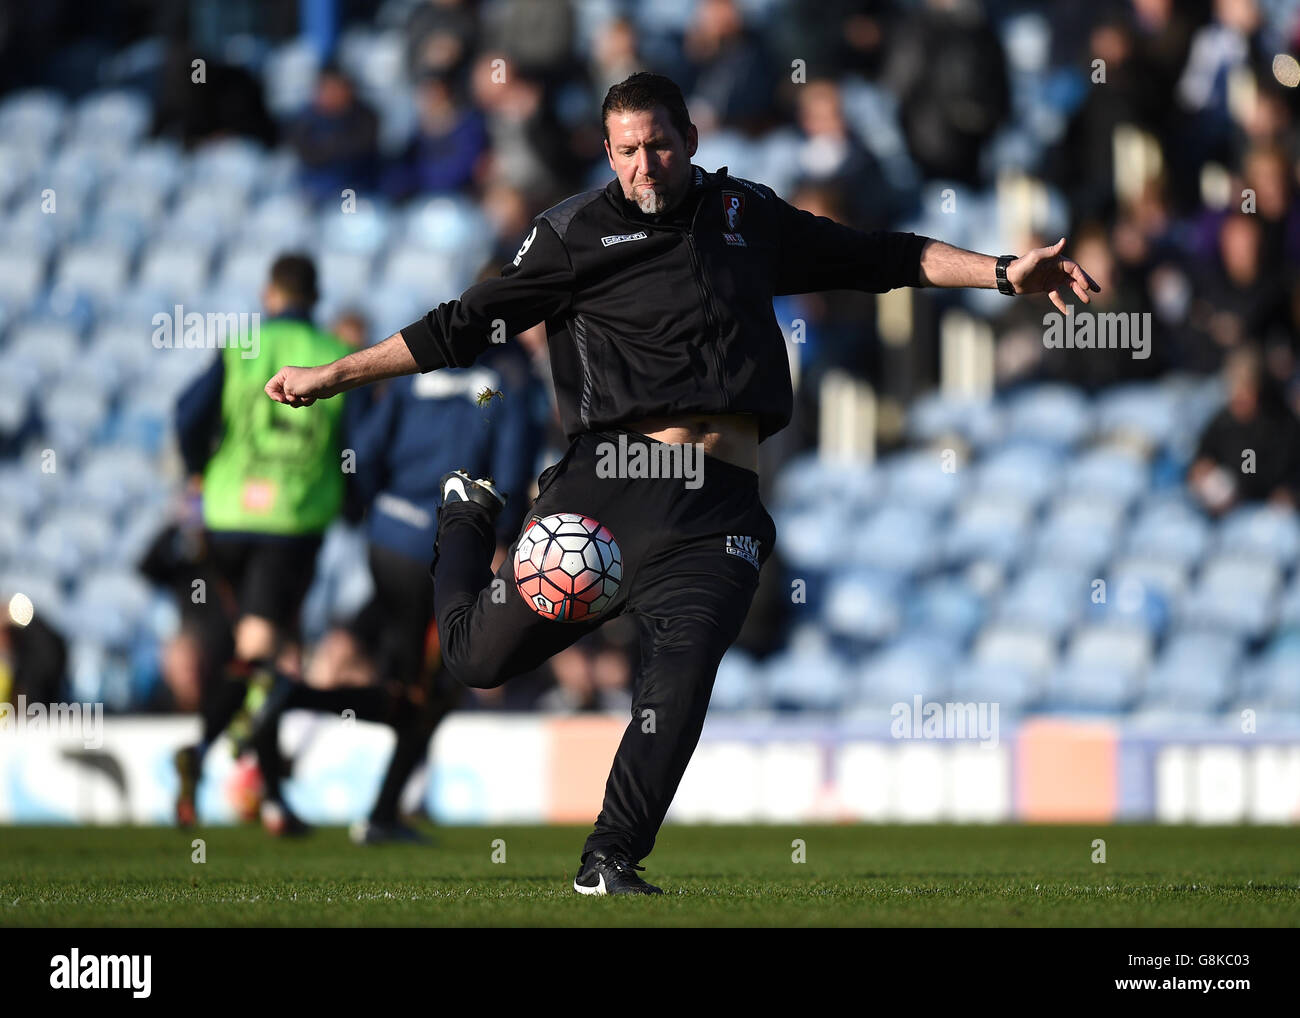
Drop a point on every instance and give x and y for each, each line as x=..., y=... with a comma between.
x=706, y=296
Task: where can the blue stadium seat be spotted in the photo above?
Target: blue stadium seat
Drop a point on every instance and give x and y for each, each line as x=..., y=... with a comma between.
x=987, y=525
x=1234, y=593
x=1169, y=528
x=278, y=223
x=99, y=269
x=117, y=477
x=864, y=606
x=1081, y=530
x=390, y=308
x=19, y=497
x=205, y=214
x=1047, y=413
x=47, y=345
x=812, y=538
x=808, y=479
x=35, y=115
x=156, y=167
x=1102, y=669
x=343, y=274
x=1048, y=597
x=1144, y=411
x=363, y=232
x=230, y=164
x=1111, y=472
x=289, y=76
x=118, y=116
x=449, y=226
x=1028, y=471
x=437, y=276
x=245, y=269
x=806, y=675
x=915, y=663
x=112, y=606
x=22, y=276
x=70, y=540
x=1288, y=611
x=1271, y=679
x=1261, y=531
x=1027, y=650
x=739, y=684
x=936, y=417
x=947, y=607
x=178, y=270
x=893, y=538
x=1196, y=671
x=1013, y=688
x=917, y=478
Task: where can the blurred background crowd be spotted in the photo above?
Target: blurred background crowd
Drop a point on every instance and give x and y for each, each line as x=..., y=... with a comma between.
x=951, y=490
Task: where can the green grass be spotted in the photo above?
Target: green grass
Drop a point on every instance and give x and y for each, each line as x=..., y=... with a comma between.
x=712, y=876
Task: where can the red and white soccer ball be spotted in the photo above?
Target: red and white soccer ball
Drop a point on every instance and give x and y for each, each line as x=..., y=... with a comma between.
x=568, y=567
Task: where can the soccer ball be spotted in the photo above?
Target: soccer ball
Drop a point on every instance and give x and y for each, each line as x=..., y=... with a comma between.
x=568, y=567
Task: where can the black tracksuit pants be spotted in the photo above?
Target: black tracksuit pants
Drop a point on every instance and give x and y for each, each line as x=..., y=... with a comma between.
x=686, y=578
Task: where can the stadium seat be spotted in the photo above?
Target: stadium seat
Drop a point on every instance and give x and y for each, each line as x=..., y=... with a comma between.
x=1196, y=671
x=178, y=270
x=47, y=345
x=22, y=275
x=1102, y=669
x=156, y=167
x=812, y=538
x=1054, y=414
x=1031, y=651
x=365, y=231
x=1169, y=528
x=70, y=540
x=1028, y=471
x=1271, y=679
x=230, y=164
x=989, y=525
x=245, y=269
x=947, y=607
x=1110, y=472
x=1143, y=411
x=278, y=223
x=111, y=606
x=809, y=479
x=916, y=663
x=205, y=214
x=290, y=76
x=807, y=675
x=740, y=683
x=863, y=606
x=435, y=276
x=1013, y=688
x=35, y=115
x=1261, y=531
x=449, y=226
x=116, y=477
x=894, y=538
x=918, y=478
x=1234, y=593
x=937, y=417
x=343, y=275
x=1081, y=530
x=1048, y=597
x=116, y=116
x=100, y=269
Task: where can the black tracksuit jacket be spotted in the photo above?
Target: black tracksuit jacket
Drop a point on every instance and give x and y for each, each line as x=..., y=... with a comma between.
x=651, y=316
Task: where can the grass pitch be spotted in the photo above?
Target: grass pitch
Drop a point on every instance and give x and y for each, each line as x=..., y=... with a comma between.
x=712, y=876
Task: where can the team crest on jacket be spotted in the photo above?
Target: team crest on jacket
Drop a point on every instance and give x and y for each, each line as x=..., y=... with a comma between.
x=733, y=209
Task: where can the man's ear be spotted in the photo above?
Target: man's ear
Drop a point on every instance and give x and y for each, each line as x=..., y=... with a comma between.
x=610, y=156
x=692, y=140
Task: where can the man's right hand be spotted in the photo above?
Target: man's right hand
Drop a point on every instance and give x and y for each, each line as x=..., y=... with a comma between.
x=303, y=386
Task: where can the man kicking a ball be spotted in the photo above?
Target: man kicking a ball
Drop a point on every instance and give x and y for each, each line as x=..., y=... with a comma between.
x=657, y=295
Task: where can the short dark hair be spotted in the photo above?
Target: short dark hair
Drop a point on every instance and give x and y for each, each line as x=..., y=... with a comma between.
x=294, y=275
x=645, y=91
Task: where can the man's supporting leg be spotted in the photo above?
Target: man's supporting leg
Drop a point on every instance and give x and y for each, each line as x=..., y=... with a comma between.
x=689, y=614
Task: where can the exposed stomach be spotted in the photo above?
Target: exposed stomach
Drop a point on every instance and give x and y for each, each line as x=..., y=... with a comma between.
x=730, y=437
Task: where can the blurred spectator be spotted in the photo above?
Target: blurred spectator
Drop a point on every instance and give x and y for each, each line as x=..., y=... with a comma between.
x=536, y=35
x=1250, y=452
x=949, y=72
x=449, y=140
x=442, y=36
x=33, y=656
x=227, y=101
x=335, y=139
x=1238, y=298
x=832, y=153
x=846, y=36
x=729, y=81
x=614, y=56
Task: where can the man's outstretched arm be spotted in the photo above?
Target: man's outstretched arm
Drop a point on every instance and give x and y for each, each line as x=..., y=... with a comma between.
x=1042, y=270
x=304, y=386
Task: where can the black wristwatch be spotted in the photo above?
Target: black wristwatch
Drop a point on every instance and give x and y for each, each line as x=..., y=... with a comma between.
x=1004, y=284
